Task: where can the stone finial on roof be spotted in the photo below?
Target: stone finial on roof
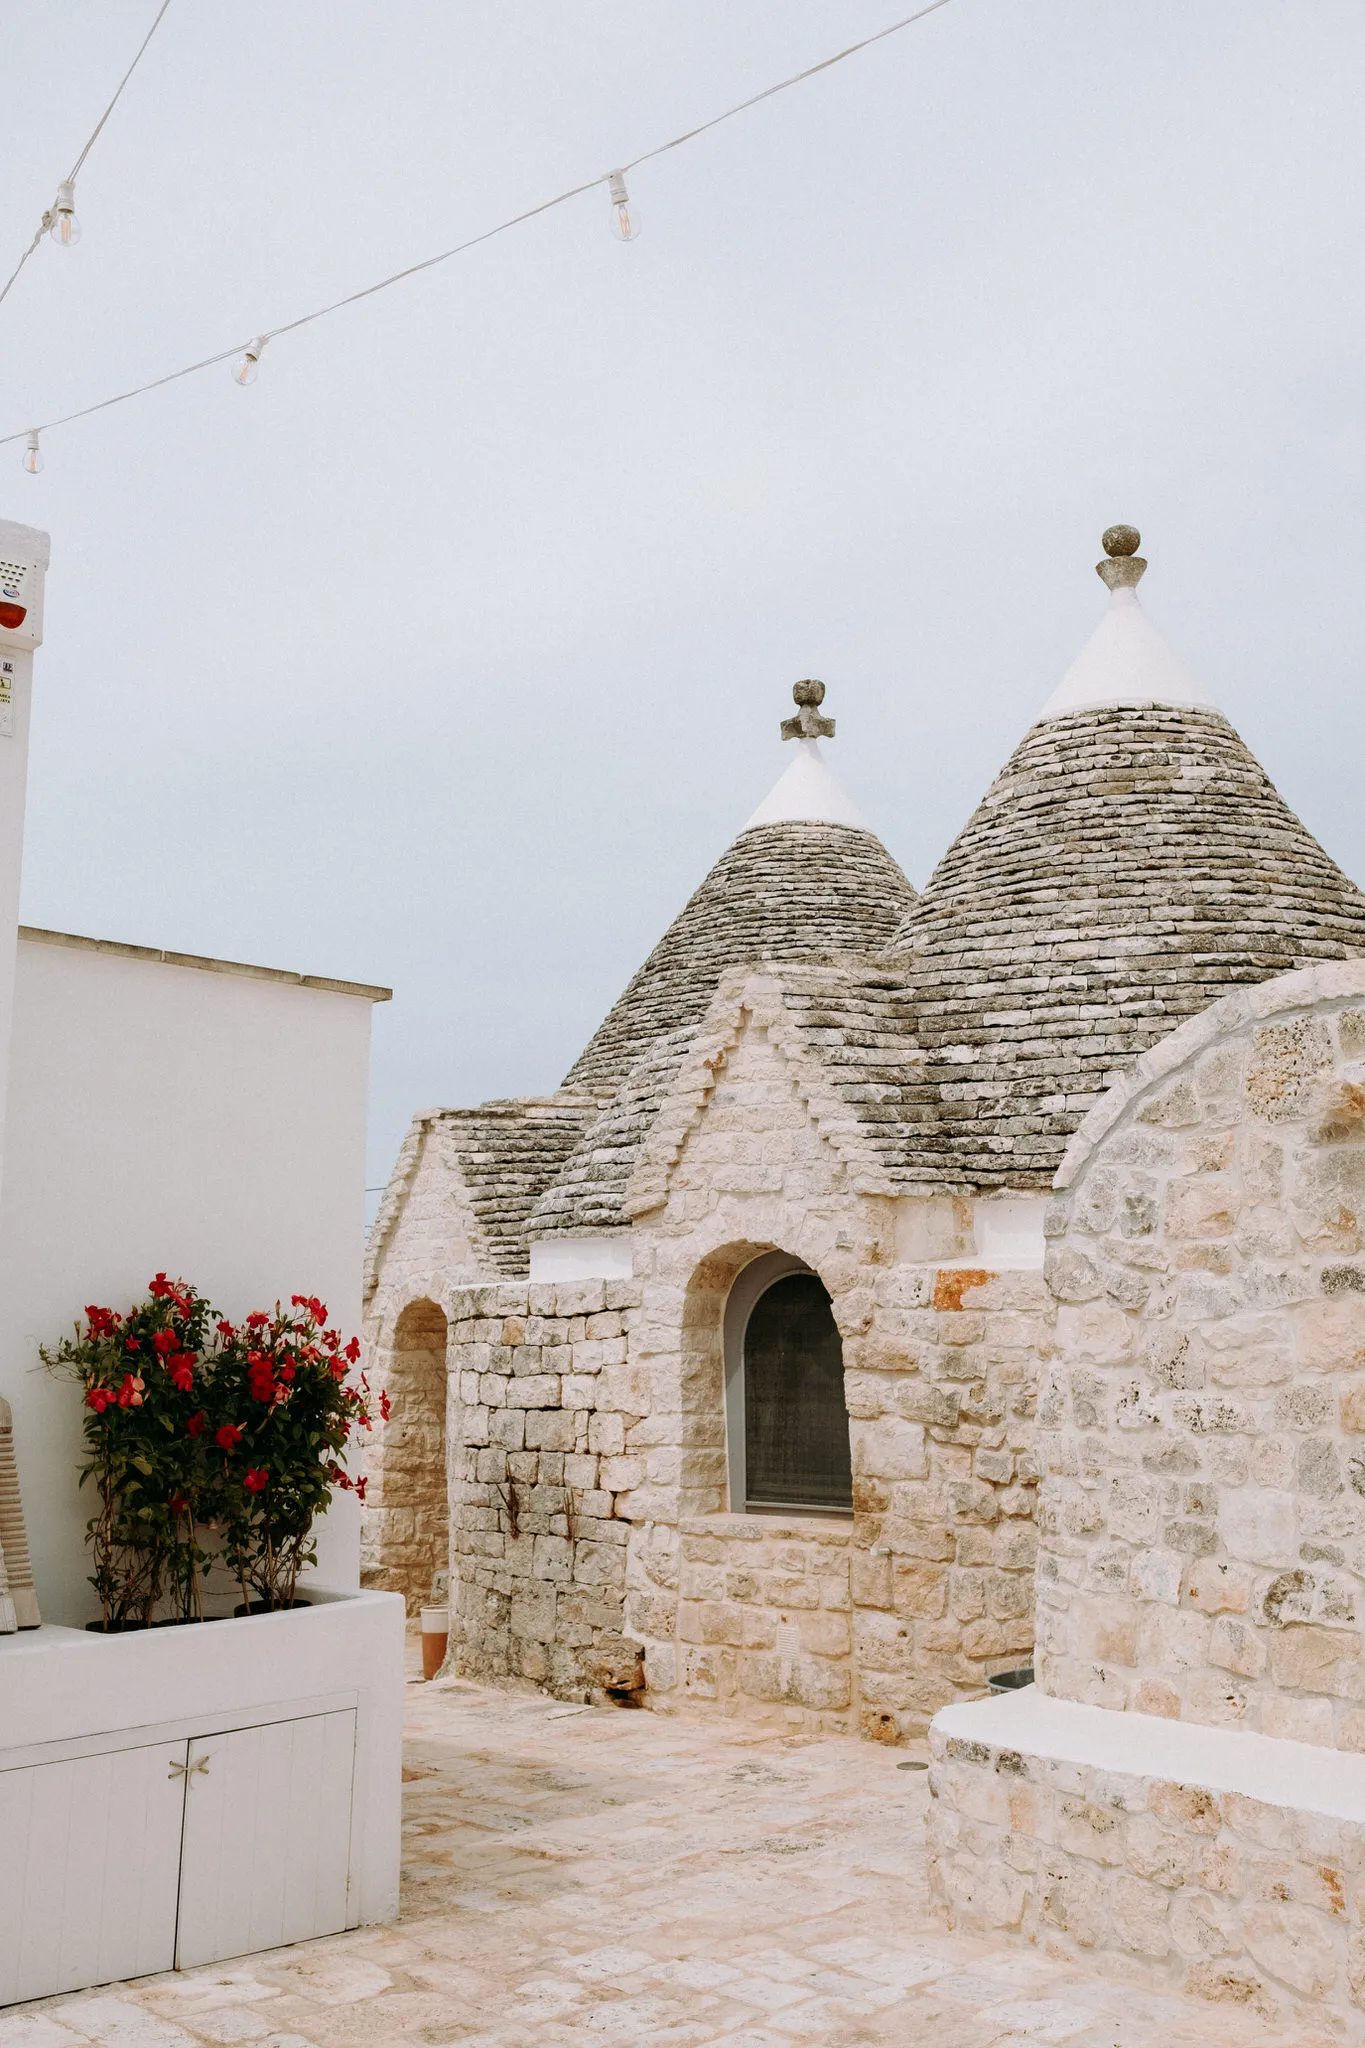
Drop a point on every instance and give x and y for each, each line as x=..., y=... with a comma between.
x=1125, y=661
x=808, y=724
x=1123, y=568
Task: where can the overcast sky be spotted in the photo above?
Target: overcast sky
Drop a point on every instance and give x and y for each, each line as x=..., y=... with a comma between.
x=452, y=653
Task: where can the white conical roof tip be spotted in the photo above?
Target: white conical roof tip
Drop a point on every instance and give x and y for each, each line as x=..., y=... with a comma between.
x=1125, y=661
x=807, y=792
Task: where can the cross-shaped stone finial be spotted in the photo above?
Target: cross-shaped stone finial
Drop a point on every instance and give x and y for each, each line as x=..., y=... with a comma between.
x=808, y=724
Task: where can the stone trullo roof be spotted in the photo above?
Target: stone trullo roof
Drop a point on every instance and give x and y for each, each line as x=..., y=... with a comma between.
x=1131, y=863
x=805, y=879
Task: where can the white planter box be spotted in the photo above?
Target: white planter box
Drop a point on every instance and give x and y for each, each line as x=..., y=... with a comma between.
x=179, y=1795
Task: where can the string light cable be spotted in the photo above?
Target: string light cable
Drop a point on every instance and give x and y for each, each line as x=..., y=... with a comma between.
x=624, y=224
x=60, y=219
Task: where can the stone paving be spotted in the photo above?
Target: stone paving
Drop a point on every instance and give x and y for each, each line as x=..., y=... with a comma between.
x=577, y=1877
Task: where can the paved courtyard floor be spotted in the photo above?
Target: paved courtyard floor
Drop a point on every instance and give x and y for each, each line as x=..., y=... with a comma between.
x=578, y=1877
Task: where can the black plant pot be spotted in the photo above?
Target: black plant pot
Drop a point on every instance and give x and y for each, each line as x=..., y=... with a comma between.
x=123, y=1628
x=264, y=1607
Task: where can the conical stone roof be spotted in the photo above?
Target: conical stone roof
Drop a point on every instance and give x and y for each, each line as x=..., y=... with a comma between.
x=800, y=881
x=1131, y=864
x=803, y=881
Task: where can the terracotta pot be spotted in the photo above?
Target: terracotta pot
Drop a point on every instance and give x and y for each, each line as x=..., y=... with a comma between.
x=435, y=1639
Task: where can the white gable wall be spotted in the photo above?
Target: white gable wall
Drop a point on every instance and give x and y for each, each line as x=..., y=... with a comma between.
x=210, y=1124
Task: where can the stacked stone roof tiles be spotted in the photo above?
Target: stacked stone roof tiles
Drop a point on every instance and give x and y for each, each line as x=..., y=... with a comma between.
x=781, y=892
x=1125, y=870
x=507, y=1152
x=797, y=890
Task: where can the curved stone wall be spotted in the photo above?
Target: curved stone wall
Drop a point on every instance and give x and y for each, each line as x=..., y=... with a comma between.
x=1202, y=1424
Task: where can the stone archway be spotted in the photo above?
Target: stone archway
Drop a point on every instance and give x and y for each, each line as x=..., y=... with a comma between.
x=407, y=1516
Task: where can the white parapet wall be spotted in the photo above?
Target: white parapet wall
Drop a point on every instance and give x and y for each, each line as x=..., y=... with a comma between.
x=174, y=1796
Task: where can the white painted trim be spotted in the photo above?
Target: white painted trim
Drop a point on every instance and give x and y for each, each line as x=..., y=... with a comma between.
x=1125, y=661
x=584, y=1258
x=807, y=793
x=1265, y=1767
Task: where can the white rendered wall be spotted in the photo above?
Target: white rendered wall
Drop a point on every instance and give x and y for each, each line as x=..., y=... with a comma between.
x=208, y=1124
x=27, y=546
x=583, y=1258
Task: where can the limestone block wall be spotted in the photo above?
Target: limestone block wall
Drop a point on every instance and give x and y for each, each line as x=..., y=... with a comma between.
x=764, y=1617
x=542, y=1395
x=1203, y=1420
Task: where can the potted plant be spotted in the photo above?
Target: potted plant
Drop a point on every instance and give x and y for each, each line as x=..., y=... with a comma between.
x=282, y=1409
x=197, y=1427
x=142, y=1379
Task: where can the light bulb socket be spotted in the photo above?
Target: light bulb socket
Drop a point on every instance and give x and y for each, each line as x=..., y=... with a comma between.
x=33, y=453
x=616, y=185
x=65, y=201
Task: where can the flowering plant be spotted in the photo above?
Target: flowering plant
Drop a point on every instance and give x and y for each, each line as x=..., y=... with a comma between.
x=142, y=1374
x=282, y=1411
x=196, y=1425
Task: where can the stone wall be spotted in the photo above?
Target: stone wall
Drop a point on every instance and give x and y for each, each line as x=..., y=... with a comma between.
x=763, y=1619
x=941, y=1365
x=541, y=1395
x=1183, y=1792
x=405, y=1531
x=1203, y=1422
x=1217, y=1893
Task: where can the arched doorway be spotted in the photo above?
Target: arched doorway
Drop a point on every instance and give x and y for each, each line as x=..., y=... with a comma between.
x=408, y=1506
x=786, y=1412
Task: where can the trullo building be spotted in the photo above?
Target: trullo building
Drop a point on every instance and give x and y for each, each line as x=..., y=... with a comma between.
x=715, y=1373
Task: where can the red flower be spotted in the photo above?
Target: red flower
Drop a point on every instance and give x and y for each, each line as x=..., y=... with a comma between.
x=225, y=1330
x=228, y=1437
x=337, y=1368
x=385, y=1407
x=164, y=1341
x=160, y=1286
x=130, y=1393
x=287, y=1372
x=102, y=1321
x=99, y=1398
x=256, y=1480
x=182, y=1374
x=257, y=1320
x=178, y=1503
x=353, y=1349
x=360, y=1486
x=133, y=1345
x=196, y=1424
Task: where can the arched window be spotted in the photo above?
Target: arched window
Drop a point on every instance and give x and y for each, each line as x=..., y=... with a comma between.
x=786, y=1412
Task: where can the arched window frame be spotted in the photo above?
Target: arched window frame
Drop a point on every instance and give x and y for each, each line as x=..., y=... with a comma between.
x=749, y=1287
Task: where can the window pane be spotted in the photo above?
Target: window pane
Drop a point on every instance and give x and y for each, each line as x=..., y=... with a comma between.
x=795, y=1417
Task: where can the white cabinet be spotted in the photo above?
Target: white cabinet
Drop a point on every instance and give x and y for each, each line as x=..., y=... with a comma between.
x=173, y=1853
x=89, y=1869
x=267, y=1837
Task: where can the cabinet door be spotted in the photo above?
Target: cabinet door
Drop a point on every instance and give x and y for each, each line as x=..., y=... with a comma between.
x=267, y=1837
x=89, y=1867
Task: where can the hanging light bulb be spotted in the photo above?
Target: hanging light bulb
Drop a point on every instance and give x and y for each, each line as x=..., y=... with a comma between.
x=33, y=454
x=625, y=224
x=245, y=372
x=62, y=223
